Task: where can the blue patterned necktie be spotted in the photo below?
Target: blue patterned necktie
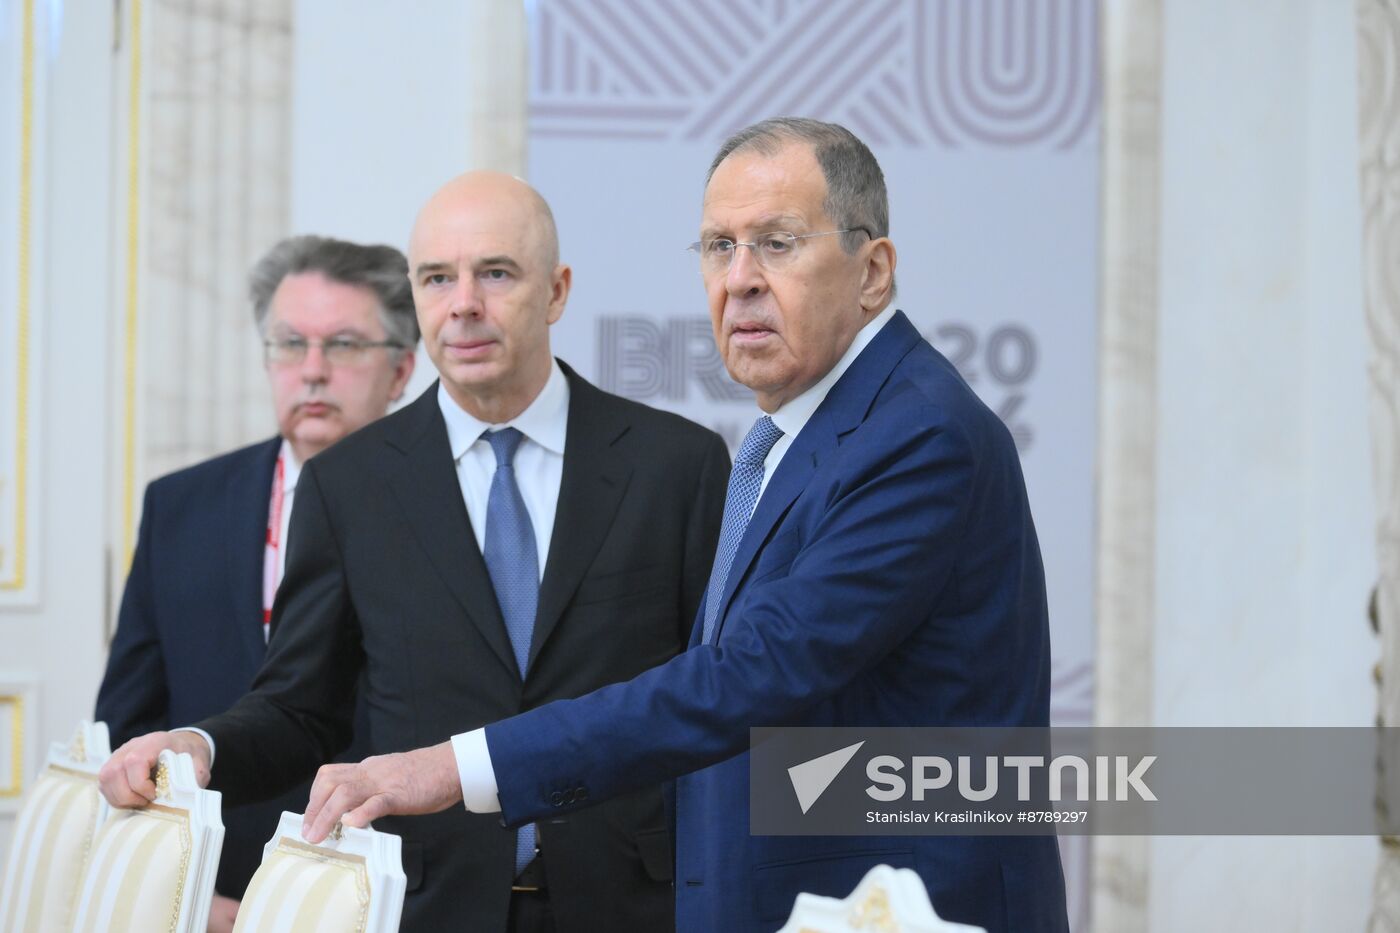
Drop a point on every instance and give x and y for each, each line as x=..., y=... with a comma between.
x=513, y=563
x=745, y=481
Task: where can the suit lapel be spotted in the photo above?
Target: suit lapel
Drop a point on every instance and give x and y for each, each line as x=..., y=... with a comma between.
x=594, y=480
x=246, y=500
x=427, y=490
x=844, y=408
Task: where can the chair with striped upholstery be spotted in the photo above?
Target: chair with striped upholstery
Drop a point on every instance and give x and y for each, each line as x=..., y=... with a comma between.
x=53, y=836
x=353, y=882
x=153, y=868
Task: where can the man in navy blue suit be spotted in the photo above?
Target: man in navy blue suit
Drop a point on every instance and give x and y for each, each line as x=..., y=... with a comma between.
x=338, y=324
x=877, y=566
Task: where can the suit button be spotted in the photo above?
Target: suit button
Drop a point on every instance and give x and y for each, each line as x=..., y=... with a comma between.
x=582, y=794
x=556, y=799
x=569, y=795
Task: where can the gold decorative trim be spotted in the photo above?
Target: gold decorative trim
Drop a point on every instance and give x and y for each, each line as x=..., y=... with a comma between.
x=74, y=772
x=355, y=864
x=875, y=912
x=16, y=786
x=77, y=749
x=133, y=268
x=318, y=852
x=22, y=309
x=160, y=775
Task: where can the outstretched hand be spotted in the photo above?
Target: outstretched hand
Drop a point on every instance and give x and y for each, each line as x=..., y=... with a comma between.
x=421, y=781
x=125, y=778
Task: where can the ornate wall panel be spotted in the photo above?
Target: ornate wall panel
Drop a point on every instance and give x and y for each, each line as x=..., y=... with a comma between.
x=24, y=61
x=204, y=194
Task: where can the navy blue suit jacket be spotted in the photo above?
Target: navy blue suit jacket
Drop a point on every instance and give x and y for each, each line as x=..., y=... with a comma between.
x=890, y=576
x=189, y=635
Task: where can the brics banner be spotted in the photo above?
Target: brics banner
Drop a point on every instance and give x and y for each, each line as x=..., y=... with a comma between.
x=984, y=115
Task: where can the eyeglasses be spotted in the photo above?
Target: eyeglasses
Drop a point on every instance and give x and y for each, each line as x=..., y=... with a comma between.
x=338, y=351
x=772, y=250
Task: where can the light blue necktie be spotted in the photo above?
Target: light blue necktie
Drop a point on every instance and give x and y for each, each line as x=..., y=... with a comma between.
x=513, y=563
x=745, y=480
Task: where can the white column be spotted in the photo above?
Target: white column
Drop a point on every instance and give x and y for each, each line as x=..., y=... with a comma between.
x=1378, y=27
x=1126, y=584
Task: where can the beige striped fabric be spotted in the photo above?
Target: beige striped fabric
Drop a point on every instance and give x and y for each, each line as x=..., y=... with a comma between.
x=137, y=874
x=52, y=840
x=298, y=890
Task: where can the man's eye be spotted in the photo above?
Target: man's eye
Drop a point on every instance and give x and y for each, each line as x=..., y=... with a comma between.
x=341, y=343
x=776, y=244
x=719, y=247
x=495, y=275
x=293, y=343
x=437, y=278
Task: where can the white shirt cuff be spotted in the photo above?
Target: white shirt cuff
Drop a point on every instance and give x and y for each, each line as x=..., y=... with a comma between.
x=480, y=793
x=208, y=740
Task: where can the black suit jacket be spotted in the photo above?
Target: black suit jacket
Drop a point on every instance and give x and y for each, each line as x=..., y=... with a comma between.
x=384, y=575
x=189, y=634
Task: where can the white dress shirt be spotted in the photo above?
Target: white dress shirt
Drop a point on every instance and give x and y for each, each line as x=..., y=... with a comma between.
x=480, y=792
x=291, y=472
x=539, y=460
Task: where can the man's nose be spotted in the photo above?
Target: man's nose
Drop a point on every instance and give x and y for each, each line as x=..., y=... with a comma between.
x=314, y=366
x=466, y=297
x=745, y=275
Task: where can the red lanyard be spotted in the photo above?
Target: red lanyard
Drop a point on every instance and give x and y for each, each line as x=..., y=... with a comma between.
x=274, y=545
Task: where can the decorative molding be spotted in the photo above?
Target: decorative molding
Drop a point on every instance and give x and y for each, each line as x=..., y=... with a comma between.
x=1378, y=36
x=19, y=702
x=1125, y=592
x=131, y=290
x=21, y=194
x=204, y=138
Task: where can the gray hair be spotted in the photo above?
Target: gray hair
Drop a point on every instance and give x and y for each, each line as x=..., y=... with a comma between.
x=855, y=186
x=382, y=269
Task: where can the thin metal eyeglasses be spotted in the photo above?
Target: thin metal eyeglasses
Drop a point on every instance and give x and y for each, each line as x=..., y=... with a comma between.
x=772, y=250
x=338, y=351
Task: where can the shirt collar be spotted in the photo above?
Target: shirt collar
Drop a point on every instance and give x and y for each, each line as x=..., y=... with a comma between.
x=793, y=416
x=291, y=467
x=544, y=421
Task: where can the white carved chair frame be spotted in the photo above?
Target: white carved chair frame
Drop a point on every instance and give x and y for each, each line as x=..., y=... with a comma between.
x=887, y=900
x=153, y=868
x=357, y=873
x=54, y=834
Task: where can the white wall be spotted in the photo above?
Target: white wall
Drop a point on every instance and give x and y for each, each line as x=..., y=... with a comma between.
x=61, y=642
x=1265, y=547
x=379, y=119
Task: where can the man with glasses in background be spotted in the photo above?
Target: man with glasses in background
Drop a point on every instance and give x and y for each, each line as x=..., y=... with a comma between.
x=339, y=329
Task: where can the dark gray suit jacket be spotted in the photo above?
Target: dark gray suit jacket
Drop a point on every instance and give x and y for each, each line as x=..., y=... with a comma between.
x=384, y=576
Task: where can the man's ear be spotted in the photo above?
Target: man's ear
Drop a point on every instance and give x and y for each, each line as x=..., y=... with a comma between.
x=877, y=283
x=403, y=371
x=560, y=283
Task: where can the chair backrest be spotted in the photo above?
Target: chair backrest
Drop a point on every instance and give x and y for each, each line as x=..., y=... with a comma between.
x=153, y=868
x=353, y=882
x=54, y=834
x=887, y=899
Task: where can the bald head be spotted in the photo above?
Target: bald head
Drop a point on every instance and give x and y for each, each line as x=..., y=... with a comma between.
x=487, y=284
x=493, y=197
